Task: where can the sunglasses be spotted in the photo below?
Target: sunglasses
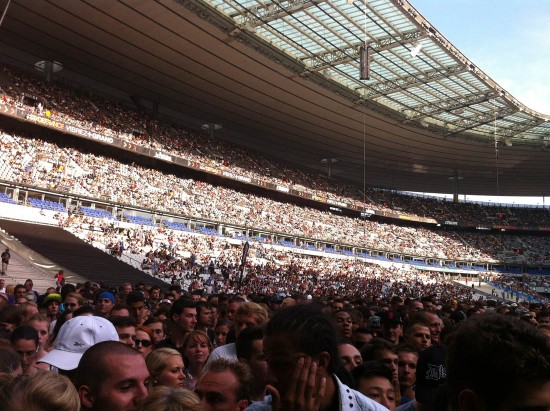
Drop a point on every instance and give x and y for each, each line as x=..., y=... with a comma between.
x=144, y=343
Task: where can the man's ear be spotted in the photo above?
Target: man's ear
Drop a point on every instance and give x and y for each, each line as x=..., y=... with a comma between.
x=242, y=404
x=86, y=399
x=469, y=401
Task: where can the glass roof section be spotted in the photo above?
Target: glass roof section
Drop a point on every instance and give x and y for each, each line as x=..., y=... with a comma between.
x=414, y=70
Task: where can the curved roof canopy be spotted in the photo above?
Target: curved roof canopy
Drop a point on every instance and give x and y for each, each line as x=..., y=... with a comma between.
x=283, y=77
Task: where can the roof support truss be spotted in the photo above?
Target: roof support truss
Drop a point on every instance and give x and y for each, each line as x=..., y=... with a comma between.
x=390, y=86
x=334, y=57
x=453, y=103
x=261, y=14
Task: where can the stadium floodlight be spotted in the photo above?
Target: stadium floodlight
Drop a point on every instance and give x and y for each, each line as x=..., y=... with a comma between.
x=416, y=49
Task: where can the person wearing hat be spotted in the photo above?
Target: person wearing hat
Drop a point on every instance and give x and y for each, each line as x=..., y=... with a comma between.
x=51, y=303
x=431, y=375
x=75, y=337
x=104, y=303
x=392, y=326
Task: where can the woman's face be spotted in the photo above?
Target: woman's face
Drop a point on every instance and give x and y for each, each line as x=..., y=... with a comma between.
x=197, y=351
x=221, y=335
x=27, y=351
x=71, y=304
x=42, y=328
x=143, y=343
x=172, y=375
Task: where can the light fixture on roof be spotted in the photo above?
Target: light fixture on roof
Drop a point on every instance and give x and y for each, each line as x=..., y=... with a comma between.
x=416, y=49
x=364, y=63
x=508, y=141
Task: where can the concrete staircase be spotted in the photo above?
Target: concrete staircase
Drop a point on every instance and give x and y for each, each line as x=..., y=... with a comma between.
x=50, y=248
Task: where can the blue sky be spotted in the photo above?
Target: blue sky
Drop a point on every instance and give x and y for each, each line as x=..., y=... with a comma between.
x=507, y=39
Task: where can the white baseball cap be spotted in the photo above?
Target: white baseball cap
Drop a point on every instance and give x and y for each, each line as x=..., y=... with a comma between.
x=75, y=337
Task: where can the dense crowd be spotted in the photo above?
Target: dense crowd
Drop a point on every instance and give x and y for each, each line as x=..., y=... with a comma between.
x=47, y=165
x=287, y=330
x=187, y=350
x=95, y=113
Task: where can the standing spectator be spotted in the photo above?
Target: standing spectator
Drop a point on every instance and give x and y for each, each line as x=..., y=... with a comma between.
x=226, y=385
x=196, y=350
x=24, y=340
x=407, y=358
x=5, y=260
x=514, y=353
x=373, y=379
x=166, y=368
x=59, y=279
x=105, y=303
x=144, y=341
x=183, y=316
x=300, y=345
x=250, y=350
x=157, y=327
x=111, y=376
x=247, y=315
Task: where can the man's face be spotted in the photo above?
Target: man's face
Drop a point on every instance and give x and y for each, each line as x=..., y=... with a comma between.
x=390, y=360
x=420, y=337
x=205, y=317
x=2, y=283
x=344, y=323
x=258, y=363
x=435, y=325
x=20, y=292
x=245, y=321
x=158, y=332
x=28, y=285
x=392, y=331
x=124, y=385
x=337, y=306
x=127, y=288
x=139, y=310
x=361, y=339
x=231, y=310
x=406, y=369
x=187, y=319
x=379, y=389
x=104, y=306
x=282, y=356
x=155, y=294
x=350, y=356
x=218, y=392
x=414, y=307
x=127, y=335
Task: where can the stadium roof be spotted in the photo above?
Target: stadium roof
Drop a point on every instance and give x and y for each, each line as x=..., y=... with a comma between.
x=283, y=77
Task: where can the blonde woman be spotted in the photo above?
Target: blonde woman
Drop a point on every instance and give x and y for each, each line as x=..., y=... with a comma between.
x=45, y=390
x=171, y=399
x=41, y=323
x=166, y=368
